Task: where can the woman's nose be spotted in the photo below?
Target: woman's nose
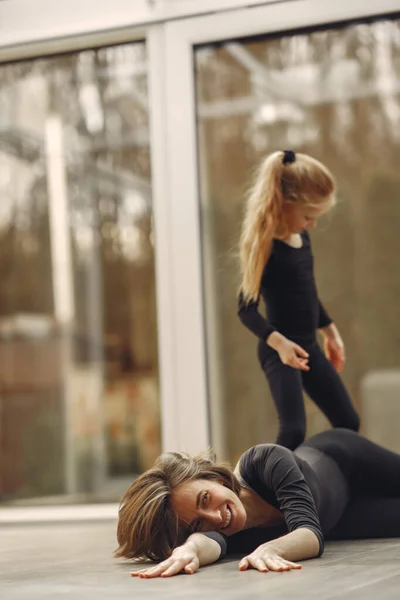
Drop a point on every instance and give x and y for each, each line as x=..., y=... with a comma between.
x=214, y=516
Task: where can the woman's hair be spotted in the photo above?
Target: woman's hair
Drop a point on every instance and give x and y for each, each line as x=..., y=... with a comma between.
x=283, y=177
x=147, y=524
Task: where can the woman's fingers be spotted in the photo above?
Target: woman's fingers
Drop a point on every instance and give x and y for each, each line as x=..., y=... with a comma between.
x=175, y=569
x=156, y=571
x=275, y=564
x=260, y=565
x=168, y=568
x=147, y=571
x=292, y=565
x=280, y=564
x=268, y=563
x=152, y=572
x=192, y=567
x=252, y=561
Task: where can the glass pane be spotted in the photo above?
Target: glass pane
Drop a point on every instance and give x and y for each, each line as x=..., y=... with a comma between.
x=333, y=94
x=79, y=400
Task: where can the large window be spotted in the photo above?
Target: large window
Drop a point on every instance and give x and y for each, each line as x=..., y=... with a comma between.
x=79, y=402
x=332, y=93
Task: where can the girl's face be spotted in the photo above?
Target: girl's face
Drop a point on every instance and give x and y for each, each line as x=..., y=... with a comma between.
x=300, y=217
x=207, y=505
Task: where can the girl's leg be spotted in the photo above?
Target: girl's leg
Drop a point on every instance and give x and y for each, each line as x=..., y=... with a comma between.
x=368, y=517
x=286, y=389
x=324, y=386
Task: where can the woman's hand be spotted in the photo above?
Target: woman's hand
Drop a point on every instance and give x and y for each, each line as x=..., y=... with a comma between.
x=198, y=550
x=184, y=558
x=291, y=354
x=266, y=559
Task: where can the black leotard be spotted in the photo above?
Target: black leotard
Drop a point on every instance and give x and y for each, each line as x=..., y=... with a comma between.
x=290, y=294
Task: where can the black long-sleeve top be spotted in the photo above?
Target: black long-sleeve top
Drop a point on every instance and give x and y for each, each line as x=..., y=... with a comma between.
x=307, y=486
x=290, y=294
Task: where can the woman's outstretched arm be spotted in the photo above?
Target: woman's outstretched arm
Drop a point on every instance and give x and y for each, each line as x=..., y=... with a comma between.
x=277, y=555
x=197, y=551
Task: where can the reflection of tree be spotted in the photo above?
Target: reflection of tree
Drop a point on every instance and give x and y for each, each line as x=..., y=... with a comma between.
x=346, y=69
x=334, y=94
x=101, y=97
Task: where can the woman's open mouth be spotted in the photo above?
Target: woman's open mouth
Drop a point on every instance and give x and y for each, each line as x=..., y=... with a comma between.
x=228, y=518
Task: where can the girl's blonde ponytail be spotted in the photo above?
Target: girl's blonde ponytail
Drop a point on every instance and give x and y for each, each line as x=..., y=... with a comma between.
x=262, y=217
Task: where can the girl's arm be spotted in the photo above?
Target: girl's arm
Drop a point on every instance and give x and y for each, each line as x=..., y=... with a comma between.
x=324, y=319
x=251, y=318
x=331, y=332
x=290, y=353
x=197, y=551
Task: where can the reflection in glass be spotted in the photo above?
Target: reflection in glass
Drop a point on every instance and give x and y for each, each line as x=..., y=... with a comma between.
x=79, y=406
x=335, y=95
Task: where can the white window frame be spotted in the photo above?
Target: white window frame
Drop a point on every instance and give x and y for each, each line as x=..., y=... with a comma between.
x=192, y=410
x=23, y=23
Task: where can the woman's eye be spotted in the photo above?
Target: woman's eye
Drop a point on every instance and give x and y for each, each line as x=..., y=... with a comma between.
x=205, y=497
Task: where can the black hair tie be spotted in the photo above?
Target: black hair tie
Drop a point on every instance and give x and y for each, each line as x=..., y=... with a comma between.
x=288, y=157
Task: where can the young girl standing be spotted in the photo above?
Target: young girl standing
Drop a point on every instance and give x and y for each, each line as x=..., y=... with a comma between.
x=291, y=192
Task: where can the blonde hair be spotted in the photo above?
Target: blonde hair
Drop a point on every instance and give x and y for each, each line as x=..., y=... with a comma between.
x=299, y=180
x=148, y=528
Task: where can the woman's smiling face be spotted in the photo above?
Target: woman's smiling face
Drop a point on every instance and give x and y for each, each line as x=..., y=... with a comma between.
x=207, y=505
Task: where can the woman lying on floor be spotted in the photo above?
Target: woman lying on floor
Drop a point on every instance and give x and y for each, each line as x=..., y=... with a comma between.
x=276, y=506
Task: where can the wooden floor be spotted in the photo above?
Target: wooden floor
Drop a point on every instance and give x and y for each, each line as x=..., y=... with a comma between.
x=75, y=561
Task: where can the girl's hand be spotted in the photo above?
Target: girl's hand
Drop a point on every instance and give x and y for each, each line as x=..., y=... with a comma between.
x=184, y=558
x=333, y=346
x=265, y=559
x=334, y=352
x=293, y=355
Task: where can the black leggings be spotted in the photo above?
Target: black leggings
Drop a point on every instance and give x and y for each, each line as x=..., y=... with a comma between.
x=373, y=476
x=322, y=384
